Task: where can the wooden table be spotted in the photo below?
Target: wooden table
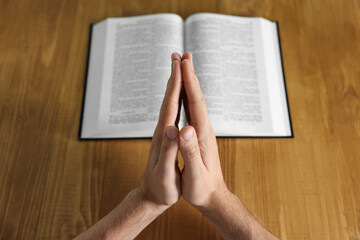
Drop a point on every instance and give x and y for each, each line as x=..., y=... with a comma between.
x=53, y=186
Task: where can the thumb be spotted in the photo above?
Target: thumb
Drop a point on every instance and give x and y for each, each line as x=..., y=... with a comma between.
x=189, y=148
x=169, y=149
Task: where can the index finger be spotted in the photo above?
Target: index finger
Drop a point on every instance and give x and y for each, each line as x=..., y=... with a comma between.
x=196, y=102
x=170, y=105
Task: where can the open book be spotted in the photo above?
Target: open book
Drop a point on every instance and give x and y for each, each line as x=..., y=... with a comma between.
x=237, y=61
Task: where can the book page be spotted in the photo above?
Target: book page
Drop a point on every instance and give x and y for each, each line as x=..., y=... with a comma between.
x=229, y=63
x=136, y=71
x=274, y=72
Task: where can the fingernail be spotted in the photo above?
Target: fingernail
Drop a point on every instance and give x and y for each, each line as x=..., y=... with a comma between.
x=188, y=134
x=185, y=60
x=171, y=133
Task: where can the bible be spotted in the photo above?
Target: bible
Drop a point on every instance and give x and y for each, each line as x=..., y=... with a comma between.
x=236, y=59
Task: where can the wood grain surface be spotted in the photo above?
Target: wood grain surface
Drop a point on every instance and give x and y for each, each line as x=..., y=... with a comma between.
x=53, y=186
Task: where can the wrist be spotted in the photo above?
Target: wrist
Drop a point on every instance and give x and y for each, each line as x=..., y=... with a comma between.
x=141, y=197
x=216, y=200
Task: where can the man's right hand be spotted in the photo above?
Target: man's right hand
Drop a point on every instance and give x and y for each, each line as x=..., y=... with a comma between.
x=201, y=177
x=202, y=181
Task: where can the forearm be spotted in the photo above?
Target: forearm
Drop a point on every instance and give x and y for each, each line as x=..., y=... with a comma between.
x=232, y=220
x=126, y=221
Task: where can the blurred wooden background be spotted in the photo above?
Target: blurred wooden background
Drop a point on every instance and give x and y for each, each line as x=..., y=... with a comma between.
x=53, y=186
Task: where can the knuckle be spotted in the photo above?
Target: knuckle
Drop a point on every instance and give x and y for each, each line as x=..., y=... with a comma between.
x=157, y=138
x=193, y=151
x=157, y=131
x=200, y=100
x=171, y=103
